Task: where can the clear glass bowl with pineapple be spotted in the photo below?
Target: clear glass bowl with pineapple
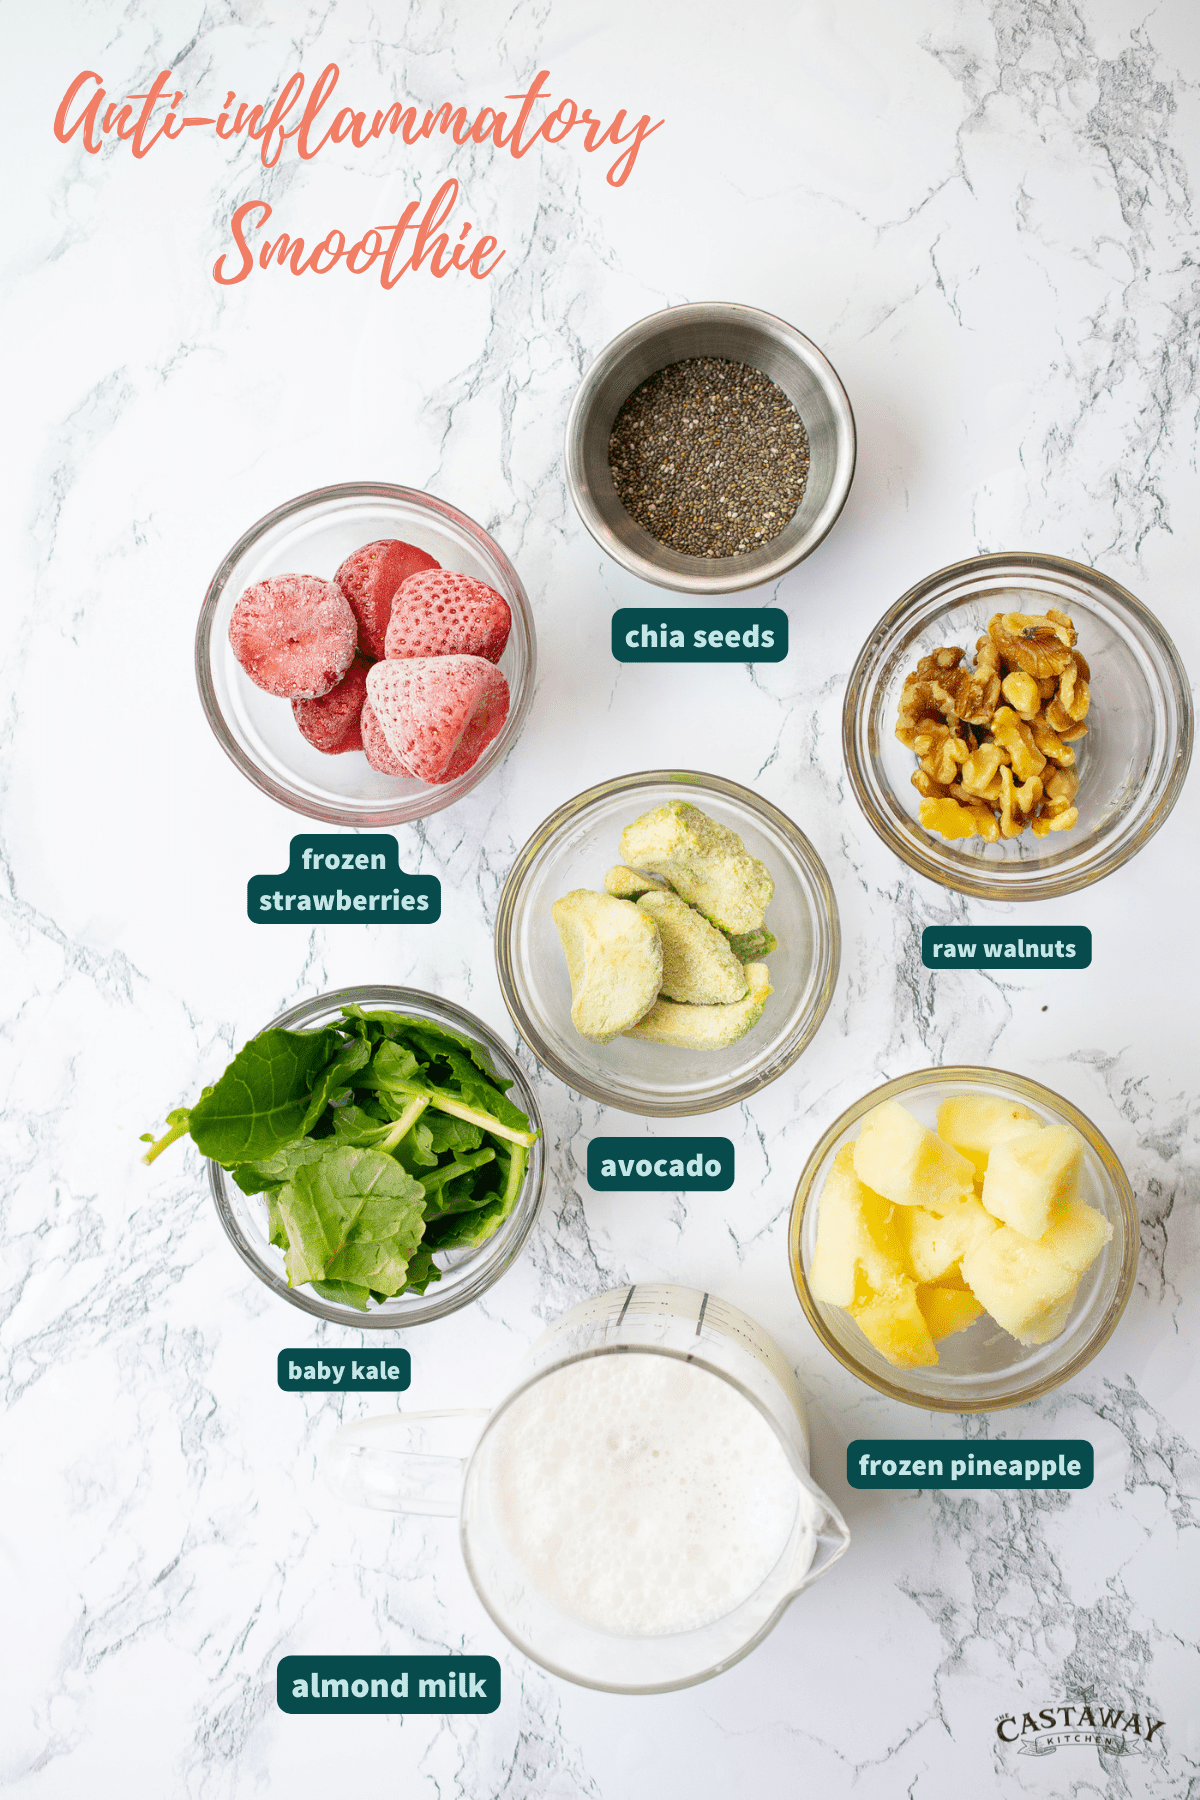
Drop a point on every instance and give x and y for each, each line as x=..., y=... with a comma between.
x=963, y=1239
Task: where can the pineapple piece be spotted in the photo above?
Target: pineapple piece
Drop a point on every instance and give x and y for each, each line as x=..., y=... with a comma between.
x=1022, y=1283
x=900, y=1159
x=1030, y=1177
x=1077, y=1236
x=614, y=959
x=934, y=1245
x=856, y=1237
x=894, y=1323
x=946, y=1310
x=976, y=1123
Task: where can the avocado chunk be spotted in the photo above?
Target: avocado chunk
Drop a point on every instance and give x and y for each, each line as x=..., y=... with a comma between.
x=706, y=1027
x=614, y=959
x=707, y=864
x=748, y=946
x=698, y=965
x=628, y=884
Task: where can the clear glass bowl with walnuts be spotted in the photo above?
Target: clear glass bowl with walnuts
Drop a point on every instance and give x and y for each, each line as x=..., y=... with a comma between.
x=1017, y=726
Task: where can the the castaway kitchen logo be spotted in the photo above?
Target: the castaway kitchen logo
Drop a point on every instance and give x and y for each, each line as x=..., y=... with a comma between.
x=1110, y=1729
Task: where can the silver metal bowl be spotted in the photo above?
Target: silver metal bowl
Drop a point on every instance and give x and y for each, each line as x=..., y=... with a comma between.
x=739, y=334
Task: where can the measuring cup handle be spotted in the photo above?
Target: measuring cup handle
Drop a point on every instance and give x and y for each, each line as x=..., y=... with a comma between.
x=409, y=1462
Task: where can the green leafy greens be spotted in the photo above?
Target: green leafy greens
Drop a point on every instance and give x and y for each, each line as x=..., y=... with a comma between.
x=375, y=1142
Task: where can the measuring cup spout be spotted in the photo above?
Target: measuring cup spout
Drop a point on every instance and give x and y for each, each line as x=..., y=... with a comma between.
x=406, y=1462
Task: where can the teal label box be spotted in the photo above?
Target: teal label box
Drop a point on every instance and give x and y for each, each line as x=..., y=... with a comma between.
x=388, y=1684
x=698, y=634
x=1006, y=947
x=344, y=880
x=677, y=1164
x=970, y=1463
x=344, y=1371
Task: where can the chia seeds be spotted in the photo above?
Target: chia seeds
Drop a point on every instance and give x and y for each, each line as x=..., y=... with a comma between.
x=710, y=457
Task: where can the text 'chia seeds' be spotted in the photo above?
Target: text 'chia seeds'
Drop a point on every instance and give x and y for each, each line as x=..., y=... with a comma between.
x=710, y=457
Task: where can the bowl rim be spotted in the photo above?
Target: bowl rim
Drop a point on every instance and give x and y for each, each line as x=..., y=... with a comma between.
x=345, y=812
x=707, y=583
x=976, y=1076
x=432, y=1304
x=1025, y=882
x=826, y=958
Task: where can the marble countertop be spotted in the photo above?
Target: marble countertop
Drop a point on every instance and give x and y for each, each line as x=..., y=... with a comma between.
x=982, y=212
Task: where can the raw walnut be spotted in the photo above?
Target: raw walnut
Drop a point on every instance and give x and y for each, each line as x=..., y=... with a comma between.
x=994, y=738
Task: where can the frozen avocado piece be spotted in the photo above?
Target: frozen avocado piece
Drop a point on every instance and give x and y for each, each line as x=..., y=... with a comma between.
x=627, y=884
x=706, y=864
x=748, y=946
x=614, y=959
x=706, y=1027
x=698, y=965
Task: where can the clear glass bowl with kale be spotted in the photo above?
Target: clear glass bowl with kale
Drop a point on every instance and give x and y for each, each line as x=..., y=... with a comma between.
x=381, y=1137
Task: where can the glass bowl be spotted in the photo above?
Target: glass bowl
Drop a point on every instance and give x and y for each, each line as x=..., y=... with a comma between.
x=981, y=1369
x=313, y=535
x=1131, y=764
x=738, y=334
x=465, y=1273
x=575, y=847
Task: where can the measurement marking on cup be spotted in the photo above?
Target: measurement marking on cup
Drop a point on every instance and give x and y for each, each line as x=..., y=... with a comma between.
x=625, y=1308
x=700, y=1320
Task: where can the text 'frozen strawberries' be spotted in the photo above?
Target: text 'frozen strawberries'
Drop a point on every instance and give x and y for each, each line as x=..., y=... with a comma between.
x=331, y=723
x=438, y=713
x=369, y=578
x=294, y=635
x=380, y=755
x=442, y=613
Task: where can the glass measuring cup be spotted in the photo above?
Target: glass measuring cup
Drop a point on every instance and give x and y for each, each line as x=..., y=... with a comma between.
x=402, y=1463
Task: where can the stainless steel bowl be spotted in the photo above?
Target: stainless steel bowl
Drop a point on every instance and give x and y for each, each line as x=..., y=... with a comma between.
x=739, y=334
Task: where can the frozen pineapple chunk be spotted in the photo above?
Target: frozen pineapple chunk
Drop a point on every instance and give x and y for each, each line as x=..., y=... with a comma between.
x=934, y=1244
x=1030, y=1177
x=946, y=1310
x=706, y=1027
x=907, y=1164
x=975, y=1123
x=895, y=1324
x=857, y=1243
x=707, y=864
x=614, y=959
x=628, y=884
x=698, y=964
x=1023, y=1284
x=1077, y=1236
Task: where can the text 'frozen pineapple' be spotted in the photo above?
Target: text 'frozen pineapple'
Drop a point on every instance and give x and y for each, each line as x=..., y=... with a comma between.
x=897, y=1156
x=707, y=864
x=614, y=960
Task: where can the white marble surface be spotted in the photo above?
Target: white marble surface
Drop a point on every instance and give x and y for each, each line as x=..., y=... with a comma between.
x=982, y=211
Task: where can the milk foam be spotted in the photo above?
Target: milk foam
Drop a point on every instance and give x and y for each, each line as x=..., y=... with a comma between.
x=642, y=1494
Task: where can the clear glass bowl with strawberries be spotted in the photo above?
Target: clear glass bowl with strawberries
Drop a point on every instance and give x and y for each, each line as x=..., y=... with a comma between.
x=365, y=654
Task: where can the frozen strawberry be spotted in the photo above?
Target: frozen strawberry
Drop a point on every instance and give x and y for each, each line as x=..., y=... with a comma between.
x=331, y=723
x=293, y=635
x=369, y=579
x=438, y=713
x=380, y=754
x=441, y=613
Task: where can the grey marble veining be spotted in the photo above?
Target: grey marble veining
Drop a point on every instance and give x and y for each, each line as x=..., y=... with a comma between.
x=984, y=213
